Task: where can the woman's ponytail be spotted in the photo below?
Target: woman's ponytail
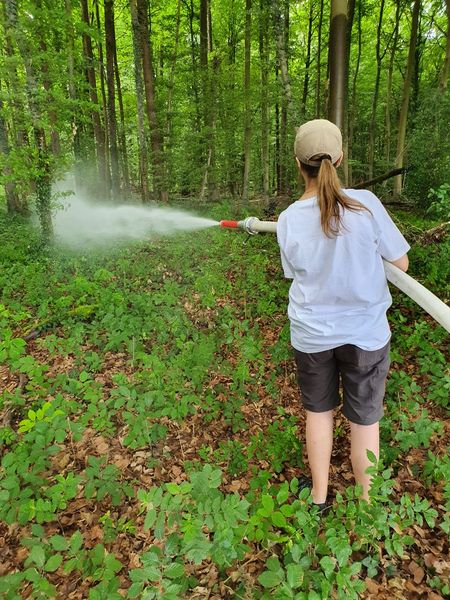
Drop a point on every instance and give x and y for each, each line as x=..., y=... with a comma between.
x=331, y=199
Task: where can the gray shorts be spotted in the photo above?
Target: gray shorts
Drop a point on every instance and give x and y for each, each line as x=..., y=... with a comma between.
x=363, y=374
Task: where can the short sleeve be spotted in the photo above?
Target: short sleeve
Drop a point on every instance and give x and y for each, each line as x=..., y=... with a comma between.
x=281, y=237
x=391, y=243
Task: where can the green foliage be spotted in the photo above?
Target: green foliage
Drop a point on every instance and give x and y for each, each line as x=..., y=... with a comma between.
x=121, y=362
x=439, y=207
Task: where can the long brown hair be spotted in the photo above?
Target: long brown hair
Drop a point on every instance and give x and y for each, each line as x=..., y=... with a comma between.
x=332, y=200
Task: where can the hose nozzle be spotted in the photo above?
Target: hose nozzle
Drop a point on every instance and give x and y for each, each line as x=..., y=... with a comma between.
x=252, y=225
x=247, y=225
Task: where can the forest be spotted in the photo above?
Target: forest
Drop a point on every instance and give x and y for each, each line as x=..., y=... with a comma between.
x=152, y=440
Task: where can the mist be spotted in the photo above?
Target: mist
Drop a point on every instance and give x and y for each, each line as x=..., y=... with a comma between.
x=79, y=223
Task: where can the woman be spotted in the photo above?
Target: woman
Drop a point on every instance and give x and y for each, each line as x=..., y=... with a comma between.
x=332, y=243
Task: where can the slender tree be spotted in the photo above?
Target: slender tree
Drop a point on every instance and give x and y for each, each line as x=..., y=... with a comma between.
x=337, y=59
x=110, y=47
x=139, y=85
x=42, y=177
x=319, y=60
x=308, y=60
x=247, y=101
x=390, y=75
x=352, y=110
x=99, y=132
x=158, y=158
x=372, y=127
x=264, y=61
x=402, y=120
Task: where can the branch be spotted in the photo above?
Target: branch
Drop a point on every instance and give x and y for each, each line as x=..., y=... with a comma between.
x=381, y=178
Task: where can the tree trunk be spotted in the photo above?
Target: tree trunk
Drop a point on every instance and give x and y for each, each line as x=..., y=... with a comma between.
x=247, y=101
x=277, y=157
x=99, y=133
x=194, y=68
x=42, y=179
x=264, y=61
x=46, y=82
x=139, y=85
x=308, y=61
x=104, y=100
x=389, y=82
x=348, y=42
x=208, y=182
x=122, y=138
x=158, y=162
x=12, y=199
x=337, y=59
x=319, y=59
x=351, y=112
x=281, y=29
x=372, y=127
x=76, y=124
x=110, y=48
x=443, y=80
x=172, y=74
x=401, y=136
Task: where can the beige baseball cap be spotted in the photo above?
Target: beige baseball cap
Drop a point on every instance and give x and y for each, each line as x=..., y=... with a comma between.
x=315, y=138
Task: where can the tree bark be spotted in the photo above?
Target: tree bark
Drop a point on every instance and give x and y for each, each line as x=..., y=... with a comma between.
x=443, y=80
x=172, y=73
x=319, y=60
x=281, y=44
x=372, y=127
x=158, y=161
x=337, y=59
x=99, y=133
x=208, y=182
x=122, y=138
x=351, y=112
x=42, y=178
x=110, y=48
x=264, y=61
x=389, y=82
x=308, y=61
x=12, y=199
x=139, y=85
x=402, y=121
x=247, y=101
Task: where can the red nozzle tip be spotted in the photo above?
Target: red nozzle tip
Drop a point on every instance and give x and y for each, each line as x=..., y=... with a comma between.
x=229, y=224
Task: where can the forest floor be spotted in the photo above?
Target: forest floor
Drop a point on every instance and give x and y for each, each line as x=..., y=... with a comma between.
x=152, y=435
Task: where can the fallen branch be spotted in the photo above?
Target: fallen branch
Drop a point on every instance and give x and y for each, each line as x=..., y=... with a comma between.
x=381, y=178
x=436, y=234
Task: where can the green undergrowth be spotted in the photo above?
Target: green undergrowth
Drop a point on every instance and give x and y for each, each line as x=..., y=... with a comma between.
x=133, y=343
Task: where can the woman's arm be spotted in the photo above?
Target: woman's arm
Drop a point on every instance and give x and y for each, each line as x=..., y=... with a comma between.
x=402, y=262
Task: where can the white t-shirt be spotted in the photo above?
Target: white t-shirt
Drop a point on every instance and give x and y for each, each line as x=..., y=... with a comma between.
x=339, y=294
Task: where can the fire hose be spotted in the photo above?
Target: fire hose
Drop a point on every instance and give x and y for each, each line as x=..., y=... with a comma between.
x=412, y=288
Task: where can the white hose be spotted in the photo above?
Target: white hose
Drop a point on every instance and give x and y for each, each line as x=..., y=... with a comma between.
x=412, y=288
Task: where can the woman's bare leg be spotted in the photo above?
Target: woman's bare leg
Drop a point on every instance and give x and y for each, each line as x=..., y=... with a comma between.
x=319, y=443
x=363, y=438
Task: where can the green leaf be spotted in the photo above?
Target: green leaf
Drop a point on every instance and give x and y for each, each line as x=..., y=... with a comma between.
x=327, y=564
x=295, y=575
x=174, y=571
x=150, y=519
x=270, y=579
x=58, y=542
x=53, y=563
x=278, y=519
x=37, y=555
x=76, y=541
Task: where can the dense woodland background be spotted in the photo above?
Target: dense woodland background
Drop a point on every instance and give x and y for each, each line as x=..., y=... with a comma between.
x=200, y=99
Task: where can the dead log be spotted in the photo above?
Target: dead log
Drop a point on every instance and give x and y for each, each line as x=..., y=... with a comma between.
x=380, y=178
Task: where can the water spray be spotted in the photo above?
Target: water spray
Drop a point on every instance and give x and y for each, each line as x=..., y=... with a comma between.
x=412, y=288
